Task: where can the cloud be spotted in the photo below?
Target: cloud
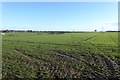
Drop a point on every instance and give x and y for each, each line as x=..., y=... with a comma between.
x=112, y=26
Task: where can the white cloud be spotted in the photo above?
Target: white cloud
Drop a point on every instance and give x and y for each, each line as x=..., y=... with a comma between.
x=112, y=26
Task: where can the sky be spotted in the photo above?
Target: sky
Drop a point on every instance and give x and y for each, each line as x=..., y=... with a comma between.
x=60, y=16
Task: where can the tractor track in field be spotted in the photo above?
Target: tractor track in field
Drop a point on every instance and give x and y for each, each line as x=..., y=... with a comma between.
x=107, y=62
x=42, y=43
x=109, y=65
x=85, y=40
x=63, y=54
x=90, y=38
x=33, y=61
x=114, y=40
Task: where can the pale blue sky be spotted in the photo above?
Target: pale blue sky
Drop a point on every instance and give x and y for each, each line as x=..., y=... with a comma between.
x=68, y=16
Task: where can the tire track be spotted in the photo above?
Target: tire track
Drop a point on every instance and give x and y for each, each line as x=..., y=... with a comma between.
x=63, y=54
x=31, y=60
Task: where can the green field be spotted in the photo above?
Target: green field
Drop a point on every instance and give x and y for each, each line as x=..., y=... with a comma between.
x=92, y=55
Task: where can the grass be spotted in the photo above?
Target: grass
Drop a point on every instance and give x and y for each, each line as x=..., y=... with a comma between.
x=68, y=55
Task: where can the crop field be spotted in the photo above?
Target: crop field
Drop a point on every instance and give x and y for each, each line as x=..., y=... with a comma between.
x=85, y=55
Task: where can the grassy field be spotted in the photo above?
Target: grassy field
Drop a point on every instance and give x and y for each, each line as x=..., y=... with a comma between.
x=92, y=55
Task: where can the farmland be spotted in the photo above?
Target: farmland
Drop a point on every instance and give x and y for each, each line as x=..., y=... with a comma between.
x=86, y=55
